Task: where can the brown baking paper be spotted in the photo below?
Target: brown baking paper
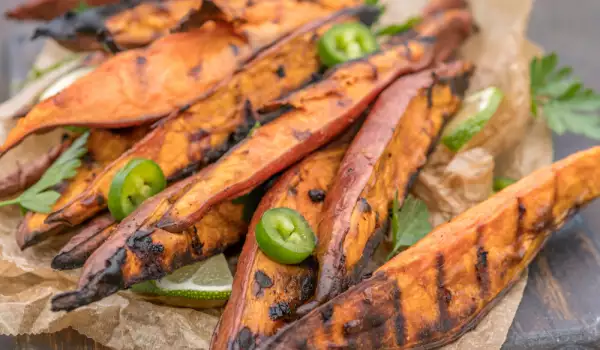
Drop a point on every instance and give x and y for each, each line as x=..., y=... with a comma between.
x=449, y=184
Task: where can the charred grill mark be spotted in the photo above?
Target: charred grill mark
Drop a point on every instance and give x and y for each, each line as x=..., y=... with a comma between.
x=195, y=71
x=249, y=114
x=279, y=310
x=308, y=282
x=316, y=195
x=245, y=340
x=444, y=296
x=100, y=200
x=301, y=135
x=292, y=191
x=141, y=242
x=267, y=115
x=198, y=135
x=140, y=60
x=234, y=49
x=261, y=281
x=197, y=245
x=281, y=71
x=434, y=81
x=481, y=267
x=399, y=320
x=358, y=273
x=107, y=39
x=364, y=206
x=183, y=173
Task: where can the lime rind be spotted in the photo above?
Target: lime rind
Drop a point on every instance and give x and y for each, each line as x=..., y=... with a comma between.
x=477, y=110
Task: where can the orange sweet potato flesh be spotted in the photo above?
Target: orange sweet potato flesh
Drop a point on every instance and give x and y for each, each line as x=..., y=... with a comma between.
x=189, y=141
x=74, y=254
x=150, y=254
x=264, y=291
x=143, y=85
x=440, y=288
x=381, y=163
x=316, y=115
x=49, y=9
x=103, y=146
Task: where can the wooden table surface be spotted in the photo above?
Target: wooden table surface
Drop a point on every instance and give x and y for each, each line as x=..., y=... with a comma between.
x=560, y=308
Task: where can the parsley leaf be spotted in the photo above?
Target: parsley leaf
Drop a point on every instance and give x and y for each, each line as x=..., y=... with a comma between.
x=409, y=223
x=501, y=183
x=396, y=29
x=40, y=197
x=562, y=100
x=81, y=7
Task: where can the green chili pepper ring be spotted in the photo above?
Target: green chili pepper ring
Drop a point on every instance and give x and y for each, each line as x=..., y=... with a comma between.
x=345, y=42
x=137, y=181
x=284, y=236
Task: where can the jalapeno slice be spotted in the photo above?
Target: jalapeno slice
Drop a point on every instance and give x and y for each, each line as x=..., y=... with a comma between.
x=284, y=236
x=345, y=42
x=137, y=181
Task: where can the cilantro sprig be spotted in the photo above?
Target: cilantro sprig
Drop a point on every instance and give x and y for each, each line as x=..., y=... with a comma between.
x=82, y=6
x=409, y=223
x=562, y=100
x=41, y=197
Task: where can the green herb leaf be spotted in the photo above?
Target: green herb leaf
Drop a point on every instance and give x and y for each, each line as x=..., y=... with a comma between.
x=40, y=197
x=253, y=129
x=396, y=29
x=562, y=100
x=81, y=7
x=409, y=223
x=501, y=183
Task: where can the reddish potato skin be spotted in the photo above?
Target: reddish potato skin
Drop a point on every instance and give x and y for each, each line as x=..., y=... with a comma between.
x=257, y=308
x=440, y=288
x=135, y=88
x=380, y=164
x=46, y=10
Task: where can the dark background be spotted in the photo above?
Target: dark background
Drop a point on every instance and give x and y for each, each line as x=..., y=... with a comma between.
x=561, y=305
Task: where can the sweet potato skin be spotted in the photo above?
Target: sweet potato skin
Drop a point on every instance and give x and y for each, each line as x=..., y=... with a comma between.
x=334, y=102
x=437, y=290
x=151, y=254
x=380, y=164
x=260, y=311
x=199, y=136
x=74, y=254
x=103, y=147
x=134, y=83
x=48, y=9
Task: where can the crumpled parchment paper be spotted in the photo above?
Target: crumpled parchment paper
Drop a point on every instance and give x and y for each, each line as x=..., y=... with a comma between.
x=449, y=184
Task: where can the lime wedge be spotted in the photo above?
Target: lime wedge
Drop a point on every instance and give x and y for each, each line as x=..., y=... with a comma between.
x=477, y=109
x=204, y=284
x=64, y=81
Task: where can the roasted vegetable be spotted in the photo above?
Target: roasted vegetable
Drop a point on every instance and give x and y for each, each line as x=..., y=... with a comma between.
x=103, y=147
x=199, y=136
x=135, y=88
x=126, y=24
x=74, y=254
x=379, y=166
x=265, y=292
x=312, y=117
x=440, y=288
x=24, y=176
x=49, y=9
x=149, y=254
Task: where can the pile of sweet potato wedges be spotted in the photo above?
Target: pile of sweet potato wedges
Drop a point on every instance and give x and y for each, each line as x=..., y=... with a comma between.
x=186, y=82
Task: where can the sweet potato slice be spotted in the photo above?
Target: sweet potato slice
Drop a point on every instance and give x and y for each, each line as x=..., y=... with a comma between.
x=74, y=254
x=103, y=147
x=143, y=85
x=150, y=254
x=256, y=308
x=126, y=24
x=382, y=162
x=313, y=116
x=440, y=288
x=199, y=136
x=48, y=9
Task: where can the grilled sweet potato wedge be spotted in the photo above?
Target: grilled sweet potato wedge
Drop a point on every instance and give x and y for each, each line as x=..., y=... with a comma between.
x=103, y=147
x=74, y=254
x=126, y=24
x=313, y=116
x=46, y=10
x=150, y=254
x=264, y=291
x=435, y=291
x=24, y=176
x=382, y=162
x=199, y=136
x=137, y=87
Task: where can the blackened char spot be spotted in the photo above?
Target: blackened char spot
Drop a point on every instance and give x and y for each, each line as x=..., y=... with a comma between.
x=481, y=267
x=198, y=135
x=364, y=206
x=279, y=310
x=100, y=200
x=444, y=296
x=427, y=39
x=183, y=173
x=268, y=115
x=307, y=287
x=280, y=71
x=301, y=135
x=195, y=71
x=140, y=60
x=262, y=281
x=399, y=320
x=197, y=245
x=316, y=195
x=292, y=190
x=326, y=312
x=141, y=242
x=245, y=340
x=234, y=49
